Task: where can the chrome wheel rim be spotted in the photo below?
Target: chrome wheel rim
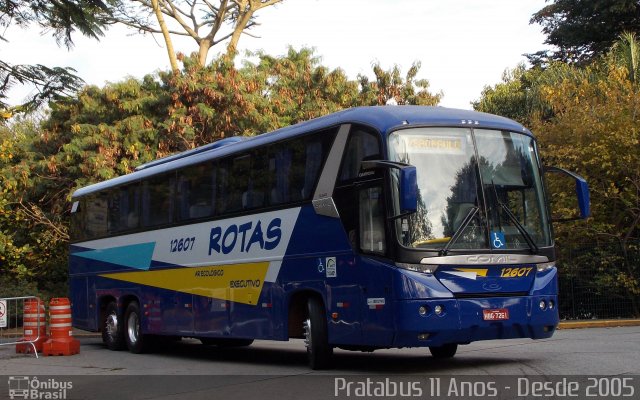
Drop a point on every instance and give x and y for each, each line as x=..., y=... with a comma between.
x=111, y=326
x=307, y=333
x=133, y=327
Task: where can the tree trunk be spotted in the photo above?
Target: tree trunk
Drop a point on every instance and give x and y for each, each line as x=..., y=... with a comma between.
x=241, y=24
x=167, y=39
x=203, y=51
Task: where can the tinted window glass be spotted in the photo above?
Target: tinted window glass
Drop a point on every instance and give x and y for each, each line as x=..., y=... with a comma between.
x=362, y=145
x=123, y=209
x=281, y=173
x=157, y=201
x=96, y=215
x=196, y=192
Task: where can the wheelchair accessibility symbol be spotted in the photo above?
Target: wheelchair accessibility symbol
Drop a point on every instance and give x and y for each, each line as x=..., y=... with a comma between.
x=497, y=240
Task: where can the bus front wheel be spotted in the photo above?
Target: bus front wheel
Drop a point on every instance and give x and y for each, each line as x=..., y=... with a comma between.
x=316, y=338
x=445, y=351
x=112, y=328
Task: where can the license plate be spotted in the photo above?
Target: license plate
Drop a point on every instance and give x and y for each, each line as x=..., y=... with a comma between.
x=495, y=315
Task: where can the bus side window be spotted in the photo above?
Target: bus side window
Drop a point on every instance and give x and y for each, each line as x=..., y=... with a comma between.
x=96, y=215
x=78, y=219
x=223, y=187
x=239, y=183
x=129, y=207
x=157, y=201
x=259, y=177
x=361, y=145
x=372, y=233
x=280, y=169
x=196, y=192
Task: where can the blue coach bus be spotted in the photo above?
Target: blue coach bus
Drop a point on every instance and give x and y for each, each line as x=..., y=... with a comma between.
x=374, y=227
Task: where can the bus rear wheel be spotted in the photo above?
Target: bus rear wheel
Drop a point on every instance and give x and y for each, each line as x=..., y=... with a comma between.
x=445, y=351
x=316, y=337
x=136, y=341
x=112, y=328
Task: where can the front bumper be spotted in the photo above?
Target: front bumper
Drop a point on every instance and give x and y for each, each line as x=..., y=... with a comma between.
x=462, y=320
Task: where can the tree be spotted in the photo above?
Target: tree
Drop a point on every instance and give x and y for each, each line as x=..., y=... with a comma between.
x=582, y=30
x=391, y=88
x=63, y=17
x=594, y=132
x=585, y=120
x=100, y=133
x=208, y=23
x=515, y=97
x=626, y=54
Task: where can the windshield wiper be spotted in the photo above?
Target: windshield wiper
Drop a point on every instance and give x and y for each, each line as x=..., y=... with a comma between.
x=521, y=229
x=465, y=222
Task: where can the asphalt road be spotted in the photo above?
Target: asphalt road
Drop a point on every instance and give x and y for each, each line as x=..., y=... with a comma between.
x=190, y=370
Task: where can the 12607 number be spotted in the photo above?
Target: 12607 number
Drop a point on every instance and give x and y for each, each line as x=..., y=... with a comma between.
x=184, y=244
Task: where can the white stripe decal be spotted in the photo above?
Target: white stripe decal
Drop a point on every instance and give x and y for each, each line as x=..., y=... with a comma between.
x=240, y=240
x=272, y=272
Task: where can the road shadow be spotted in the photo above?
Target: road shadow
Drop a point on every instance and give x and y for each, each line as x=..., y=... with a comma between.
x=344, y=362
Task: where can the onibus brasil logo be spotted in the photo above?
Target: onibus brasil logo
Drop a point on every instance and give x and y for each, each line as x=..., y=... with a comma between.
x=24, y=387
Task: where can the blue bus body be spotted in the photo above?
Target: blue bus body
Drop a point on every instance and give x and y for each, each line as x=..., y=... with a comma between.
x=248, y=274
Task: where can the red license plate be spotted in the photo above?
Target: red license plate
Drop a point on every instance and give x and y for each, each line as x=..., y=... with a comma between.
x=495, y=315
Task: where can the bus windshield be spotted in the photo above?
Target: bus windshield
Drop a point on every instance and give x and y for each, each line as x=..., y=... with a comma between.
x=478, y=189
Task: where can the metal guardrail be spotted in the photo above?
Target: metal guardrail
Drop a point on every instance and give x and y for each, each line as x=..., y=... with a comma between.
x=14, y=330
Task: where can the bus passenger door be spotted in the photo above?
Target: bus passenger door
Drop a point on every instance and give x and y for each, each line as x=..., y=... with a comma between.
x=358, y=198
x=378, y=324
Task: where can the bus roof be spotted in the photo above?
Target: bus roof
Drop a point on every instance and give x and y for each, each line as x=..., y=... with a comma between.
x=383, y=118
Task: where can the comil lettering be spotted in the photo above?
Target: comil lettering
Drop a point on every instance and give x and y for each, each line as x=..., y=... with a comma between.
x=245, y=237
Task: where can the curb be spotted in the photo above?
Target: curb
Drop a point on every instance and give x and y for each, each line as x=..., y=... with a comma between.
x=81, y=333
x=597, y=323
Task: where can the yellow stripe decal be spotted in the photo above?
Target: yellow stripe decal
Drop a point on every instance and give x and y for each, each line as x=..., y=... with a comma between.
x=240, y=283
x=479, y=271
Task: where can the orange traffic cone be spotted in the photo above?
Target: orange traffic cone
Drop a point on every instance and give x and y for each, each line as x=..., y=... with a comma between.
x=34, y=326
x=61, y=342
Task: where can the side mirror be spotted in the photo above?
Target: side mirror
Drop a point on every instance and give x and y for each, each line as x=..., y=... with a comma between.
x=582, y=192
x=407, y=183
x=408, y=190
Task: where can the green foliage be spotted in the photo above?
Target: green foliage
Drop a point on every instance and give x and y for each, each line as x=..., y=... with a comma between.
x=100, y=133
x=583, y=30
x=586, y=121
x=515, y=97
x=391, y=88
x=62, y=17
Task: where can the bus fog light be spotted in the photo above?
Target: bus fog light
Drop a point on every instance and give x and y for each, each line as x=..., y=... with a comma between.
x=438, y=309
x=423, y=311
x=423, y=336
x=543, y=305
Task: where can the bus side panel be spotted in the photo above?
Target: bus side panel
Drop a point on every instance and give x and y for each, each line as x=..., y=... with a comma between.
x=79, y=294
x=253, y=320
x=211, y=317
x=378, y=321
x=320, y=259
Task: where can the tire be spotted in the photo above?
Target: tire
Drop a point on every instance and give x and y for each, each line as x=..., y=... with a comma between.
x=445, y=351
x=112, y=328
x=136, y=342
x=223, y=342
x=316, y=338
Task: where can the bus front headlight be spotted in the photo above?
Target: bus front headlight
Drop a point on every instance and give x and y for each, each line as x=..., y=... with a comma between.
x=546, y=266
